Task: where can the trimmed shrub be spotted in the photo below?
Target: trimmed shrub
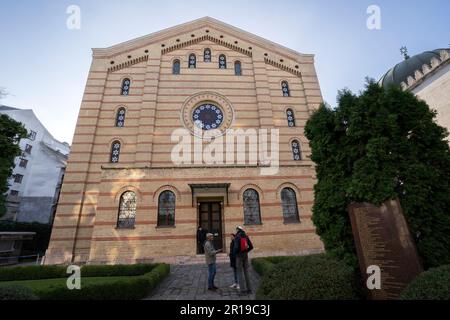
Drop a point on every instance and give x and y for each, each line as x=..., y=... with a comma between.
x=124, y=287
x=315, y=277
x=263, y=265
x=16, y=292
x=433, y=284
x=116, y=270
x=32, y=273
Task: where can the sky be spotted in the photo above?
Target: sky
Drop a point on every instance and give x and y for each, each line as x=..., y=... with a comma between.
x=44, y=64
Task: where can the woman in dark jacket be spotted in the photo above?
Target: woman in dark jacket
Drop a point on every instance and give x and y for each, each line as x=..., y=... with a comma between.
x=232, y=256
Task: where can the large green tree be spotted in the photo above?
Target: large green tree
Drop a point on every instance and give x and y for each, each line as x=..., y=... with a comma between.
x=11, y=132
x=375, y=146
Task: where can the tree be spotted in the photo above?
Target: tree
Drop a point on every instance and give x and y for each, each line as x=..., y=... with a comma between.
x=11, y=132
x=380, y=145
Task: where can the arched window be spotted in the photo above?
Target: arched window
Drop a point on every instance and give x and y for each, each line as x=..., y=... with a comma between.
x=296, y=150
x=176, y=67
x=126, y=83
x=285, y=89
x=120, y=117
x=289, y=203
x=237, y=68
x=222, y=62
x=207, y=55
x=252, y=214
x=125, y=90
x=192, y=61
x=127, y=210
x=166, y=209
x=115, y=151
x=290, y=117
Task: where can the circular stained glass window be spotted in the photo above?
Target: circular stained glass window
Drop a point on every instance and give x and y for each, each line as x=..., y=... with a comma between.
x=207, y=116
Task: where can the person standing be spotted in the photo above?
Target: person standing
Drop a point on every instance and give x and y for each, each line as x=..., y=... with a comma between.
x=210, y=256
x=201, y=238
x=242, y=246
x=232, y=256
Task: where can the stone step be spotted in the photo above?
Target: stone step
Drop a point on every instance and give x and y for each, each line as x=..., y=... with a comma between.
x=200, y=259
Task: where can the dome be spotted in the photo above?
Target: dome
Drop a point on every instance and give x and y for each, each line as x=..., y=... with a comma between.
x=408, y=67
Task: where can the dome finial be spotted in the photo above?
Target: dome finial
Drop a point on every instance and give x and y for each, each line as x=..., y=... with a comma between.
x=404, y=52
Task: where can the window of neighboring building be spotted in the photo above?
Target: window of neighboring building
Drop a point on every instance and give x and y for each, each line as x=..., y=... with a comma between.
x=290, y=208
x=126, y=83
x=115, y=151
x=166, y=209
x=28, y=148
x=14, y=193
x=285, y=89
x=18, y=178
x=296, y=150
x=207, y=55
x=192, y=61
x=120, y=117
x=23, y=163
x=176, y=67
x=252, y=213
x=127, y=210
x=237, y=68
x=32, y=135
x=290, y=117
x=222, y=62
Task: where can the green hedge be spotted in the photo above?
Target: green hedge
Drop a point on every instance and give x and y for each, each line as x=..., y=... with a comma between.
x=100, y=288
x=433, y=284
x=315, y=277
x=52, y=272
x=16, y=292
x=263, y=265
x=32, y=273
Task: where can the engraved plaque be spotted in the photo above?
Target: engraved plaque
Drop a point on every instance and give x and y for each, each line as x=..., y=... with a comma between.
x=382, y=238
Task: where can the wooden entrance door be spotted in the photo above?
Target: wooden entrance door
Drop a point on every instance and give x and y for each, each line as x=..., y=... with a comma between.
x=210, y=216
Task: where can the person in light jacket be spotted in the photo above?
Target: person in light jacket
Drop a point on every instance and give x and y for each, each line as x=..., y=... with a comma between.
x=210, y=257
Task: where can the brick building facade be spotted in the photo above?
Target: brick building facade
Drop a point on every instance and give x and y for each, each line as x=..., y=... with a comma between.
x=124, y=200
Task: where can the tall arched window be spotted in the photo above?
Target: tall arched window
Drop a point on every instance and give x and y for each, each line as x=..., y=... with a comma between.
x=222, y=62
x=125, y=90
x=290, y=117
x=207, y=55
x=115, y=151
x=285, y=89
x=252, y=213
x=127, y=210
x=120, y=117
x=192, y=61
x=296, y=150
x=176, y=67
x=289, y=203
x=166, y=209
x=237, y=68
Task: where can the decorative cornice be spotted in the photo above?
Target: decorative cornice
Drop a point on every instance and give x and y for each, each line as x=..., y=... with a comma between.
x=128, y=63
x=205, y=38
x=421, y=75
x=282, y=67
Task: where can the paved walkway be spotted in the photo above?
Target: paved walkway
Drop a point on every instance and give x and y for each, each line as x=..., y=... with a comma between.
x=189, y=282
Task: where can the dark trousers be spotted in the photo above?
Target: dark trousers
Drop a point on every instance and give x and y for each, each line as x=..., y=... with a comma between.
x=211, y=275
x=242, y=272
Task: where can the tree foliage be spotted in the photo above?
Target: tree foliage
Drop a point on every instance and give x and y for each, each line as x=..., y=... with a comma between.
x=375, y=146
x=11, y=132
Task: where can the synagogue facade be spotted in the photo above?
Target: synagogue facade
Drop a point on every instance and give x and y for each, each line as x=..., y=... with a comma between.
x=138, y=183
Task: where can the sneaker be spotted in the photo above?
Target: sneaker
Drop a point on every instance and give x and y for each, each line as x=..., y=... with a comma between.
x=215, y=288
x=234, y=285
x=237, y=287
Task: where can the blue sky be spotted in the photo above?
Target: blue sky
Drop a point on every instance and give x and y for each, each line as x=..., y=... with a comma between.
x=44, y=65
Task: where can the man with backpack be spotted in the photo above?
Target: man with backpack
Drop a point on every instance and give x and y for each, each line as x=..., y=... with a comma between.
x=242, y=246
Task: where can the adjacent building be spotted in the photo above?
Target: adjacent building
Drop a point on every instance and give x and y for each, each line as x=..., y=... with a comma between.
x=37, y=176
x=427, y=75
x=127, y=198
